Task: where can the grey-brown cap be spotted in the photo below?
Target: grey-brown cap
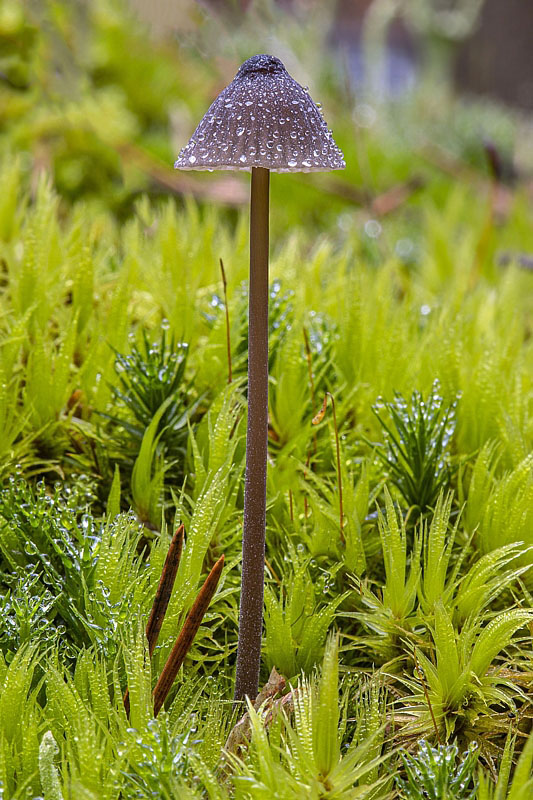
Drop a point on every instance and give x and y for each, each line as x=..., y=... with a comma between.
x=264, y=118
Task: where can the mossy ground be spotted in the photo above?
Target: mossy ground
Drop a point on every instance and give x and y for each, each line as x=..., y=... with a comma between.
x=409, y=301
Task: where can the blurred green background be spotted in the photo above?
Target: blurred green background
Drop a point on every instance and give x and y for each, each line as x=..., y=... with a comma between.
x=104, y=94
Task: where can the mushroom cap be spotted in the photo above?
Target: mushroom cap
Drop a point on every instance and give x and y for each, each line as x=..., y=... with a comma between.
x=264, y=118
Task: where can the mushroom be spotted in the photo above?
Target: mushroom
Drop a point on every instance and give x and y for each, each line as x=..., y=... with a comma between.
x=264, y=121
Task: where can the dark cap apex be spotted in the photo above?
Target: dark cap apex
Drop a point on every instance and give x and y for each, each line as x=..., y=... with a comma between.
x=260, y=65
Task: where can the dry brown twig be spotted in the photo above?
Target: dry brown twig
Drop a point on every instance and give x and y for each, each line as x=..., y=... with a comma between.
x=164, y=590
x=162, y=596
x=186, y=636
x=228, y=340
x=315, y=421
x=190, y=627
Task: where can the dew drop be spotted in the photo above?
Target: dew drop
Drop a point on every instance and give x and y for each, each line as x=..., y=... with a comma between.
x=373, y=228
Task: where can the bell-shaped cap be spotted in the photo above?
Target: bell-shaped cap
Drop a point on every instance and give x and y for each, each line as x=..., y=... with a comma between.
x=264, y=118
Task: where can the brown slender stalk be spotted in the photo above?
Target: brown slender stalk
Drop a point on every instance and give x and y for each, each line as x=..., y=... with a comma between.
x=186, y=636
x=426, y=693
x=273, y=572
x=228, y=340
x=311, y=380
x=309, y=368
x=306, y=502
x=162, y=597
x=253, y=543
x=339, y=474
x=316, y=419
x=291, y=509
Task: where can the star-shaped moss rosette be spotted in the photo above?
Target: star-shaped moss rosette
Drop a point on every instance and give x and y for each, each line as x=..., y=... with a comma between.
x=264, y=121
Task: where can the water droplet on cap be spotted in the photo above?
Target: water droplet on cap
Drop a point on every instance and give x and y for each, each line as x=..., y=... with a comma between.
x=263, y=102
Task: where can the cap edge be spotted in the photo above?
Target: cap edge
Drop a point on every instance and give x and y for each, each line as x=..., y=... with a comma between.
x=248, y=168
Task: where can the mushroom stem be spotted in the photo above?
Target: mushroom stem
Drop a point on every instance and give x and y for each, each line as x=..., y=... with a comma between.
x=253, y=543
